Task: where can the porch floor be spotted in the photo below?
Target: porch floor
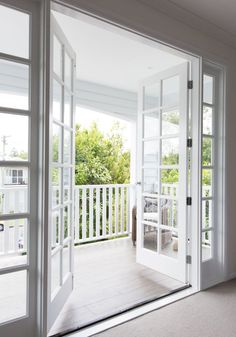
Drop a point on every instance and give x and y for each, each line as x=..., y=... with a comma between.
x=107, y=281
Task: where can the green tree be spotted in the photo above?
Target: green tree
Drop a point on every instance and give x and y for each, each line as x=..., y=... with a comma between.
x=99, y=158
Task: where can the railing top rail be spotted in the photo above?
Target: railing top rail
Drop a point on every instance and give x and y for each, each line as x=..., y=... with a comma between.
x=103, y=186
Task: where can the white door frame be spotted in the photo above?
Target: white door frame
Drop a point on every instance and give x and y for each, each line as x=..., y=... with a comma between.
x=195, y=60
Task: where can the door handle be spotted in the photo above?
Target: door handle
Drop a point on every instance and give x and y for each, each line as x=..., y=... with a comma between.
x=138, y=183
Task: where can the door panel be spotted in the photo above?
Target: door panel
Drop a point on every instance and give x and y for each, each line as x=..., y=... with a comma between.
x=162, y=143
x=61, y=216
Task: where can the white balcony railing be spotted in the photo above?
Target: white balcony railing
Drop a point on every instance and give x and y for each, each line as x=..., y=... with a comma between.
x=101, y=211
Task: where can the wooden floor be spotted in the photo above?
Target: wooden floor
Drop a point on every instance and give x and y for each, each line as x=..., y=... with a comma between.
x=108, y=281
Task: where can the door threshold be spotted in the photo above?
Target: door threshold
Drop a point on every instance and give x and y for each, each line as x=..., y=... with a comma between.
x=129, y=314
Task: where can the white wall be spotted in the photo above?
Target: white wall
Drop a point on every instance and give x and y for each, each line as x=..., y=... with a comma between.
x=196, y=37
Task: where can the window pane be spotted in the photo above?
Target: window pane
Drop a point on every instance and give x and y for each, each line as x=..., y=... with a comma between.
x=13, y=242
x=150, y=122
x=67, y=146
x=14, y=85
x=169, y=243
x=169, y=182
x=206, y=151
x=67, y=183
x=13, y=137
x=150, y=238
x=57, y=99
x=67, y=109
x=207, y=245
x=150, y=209
x=207, y=214
x=13, y=295
x=169, y=213
x=151, y=96
x=207, y=182
x=56, y=189
x=170, y=122
x=66, y=221
x=68, y=72
x=150, y=155
x=13, y=190
x=208, y=89
x=56, y=143
x=207, y=120
x=170, y=151
x=57, y=57
x=55, y=233
x=170, y=89
x=150, y=180
x=15, y=26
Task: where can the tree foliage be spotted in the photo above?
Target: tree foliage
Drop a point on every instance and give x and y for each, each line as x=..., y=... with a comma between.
x=99, y=158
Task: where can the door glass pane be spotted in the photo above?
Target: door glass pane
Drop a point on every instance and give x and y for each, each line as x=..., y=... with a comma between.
x=150, y=237
x=207, y=120
x=13, y=295
x=169, y=213
x=13, y=190
x=170, y=151
x=55, y=232
x=67, y=183
x=56, y=143
x=151, y=96
x=170, y=88
x=207, y=182
x=206, y=151
x=67, y=109
x=56, y=186
x=150, y=122
x=57, y=57
x=150, y=153
x=55, y=272
x=57, y=99
x=14, y=26
x=169, y=182
x=207, y=214
x=14, y=85
x=207, y=89
x=170, y=122
x=66, y=221
x=150, y=180
x=67, y=146
x=150, y=209
x=207, y=245
x=13, y=137
x=68, y=71
x=169, y=243
x=13, y=243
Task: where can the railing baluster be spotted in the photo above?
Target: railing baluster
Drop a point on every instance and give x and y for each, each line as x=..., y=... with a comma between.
x=97, y=212
x=110, y=211
x=128, y=209
x=84, y=213
x=104, y=208
x=116, y=209
x=122, y=210
x=16, y=236
x=91, y=213
x=6, y=238
x=77, y=215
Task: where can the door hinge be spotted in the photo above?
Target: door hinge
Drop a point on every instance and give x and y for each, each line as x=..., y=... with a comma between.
x=188, y=259
x=189, y=201
x=189, y=142
x=190, y=84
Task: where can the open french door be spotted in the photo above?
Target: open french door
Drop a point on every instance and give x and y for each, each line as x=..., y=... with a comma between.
x=162, y=187
x=61, y=195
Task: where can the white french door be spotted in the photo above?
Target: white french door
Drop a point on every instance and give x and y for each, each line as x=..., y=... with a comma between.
x=163, y=169
x=61, y=208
